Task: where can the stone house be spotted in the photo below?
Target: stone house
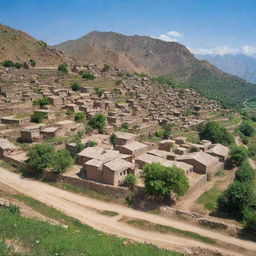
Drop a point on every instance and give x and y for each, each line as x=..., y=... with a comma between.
x=7, y=148
x=134, y=148
x=219, y=151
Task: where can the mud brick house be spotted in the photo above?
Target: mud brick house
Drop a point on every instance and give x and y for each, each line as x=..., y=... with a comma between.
x=219, y=151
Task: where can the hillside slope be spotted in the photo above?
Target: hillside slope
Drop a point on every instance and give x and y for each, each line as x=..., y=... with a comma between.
x=18, y=46
x=235, y=64
x=159, y=58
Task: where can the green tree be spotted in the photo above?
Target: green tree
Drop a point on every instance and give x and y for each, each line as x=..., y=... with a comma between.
x=246, y=128
x=78, y=141
x=37, y=117
x=113, y=139
x=88, y=75
x=98, y=121
x=161, y=181
x=62, y=161
x=245, y=173
x=99, y=91
x=236, y=198
x=238, y=154
x=41, y=156
x=90, y=143
x=63, y=68
x=75, y=86
x=130, y=181
x=215, y=133
x=18, y=65
x=42, y=101
x=250, y=220
x=79, y=116
x=7, y=63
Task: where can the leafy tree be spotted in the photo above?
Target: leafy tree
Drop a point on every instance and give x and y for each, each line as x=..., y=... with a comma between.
x=18, y=65
x=245, y=173
x=99, y=91
x=88, y=75
x=160, y=181
x=130, y=180
x=238, y=154
x=113, y=139
x=75, y=86
x=63, y=68
x=78, y=141
x=98, y=121
x=41, y=156
x=7, y=63
x=236, y=198
x=246, y=128
x=215, y=133
x=79, y=116
x=253, y=117
x=32, y=62
x=37, y=117
x=62, y=160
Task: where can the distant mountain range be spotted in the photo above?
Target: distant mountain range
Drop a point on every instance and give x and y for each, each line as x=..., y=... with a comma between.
x=159, y=58
x=18, y=46
x=235, y=64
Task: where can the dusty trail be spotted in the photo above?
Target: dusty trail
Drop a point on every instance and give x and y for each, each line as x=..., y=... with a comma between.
x=80, y=207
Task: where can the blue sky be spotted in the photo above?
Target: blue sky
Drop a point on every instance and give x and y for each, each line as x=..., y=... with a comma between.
x=211, y=26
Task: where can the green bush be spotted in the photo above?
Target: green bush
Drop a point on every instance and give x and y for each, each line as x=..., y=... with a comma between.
x=63, y=68
x=32, y=62
x=79, y=116
x=250, y=220
x=42, y=102
x=12, y=209
x=90, y=143
x=118, y=82
x=41, y=156
x=246, y=128
x=106, y=67
x=113, y=139
x=37, y=117
x=245, y=173
x=18, y=65
x=215, y=133
x=75, y=86
x=7, y=63
x=62, y=161
x=130, y=181
x=88, y=75
x=236, y=198
x=193, y=149
x=238, y=154
x=99, y=91
x=98, y=121
x=161, y=181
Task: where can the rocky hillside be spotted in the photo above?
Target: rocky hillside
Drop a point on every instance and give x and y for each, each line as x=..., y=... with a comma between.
x=18, y=46
x=159, y=58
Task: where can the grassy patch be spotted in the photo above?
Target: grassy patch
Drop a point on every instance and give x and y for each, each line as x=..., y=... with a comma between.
x=167, y=229
x=109, y=213
x=220, y=173
x=209, y=198
x=42, y=239
x=84, y=191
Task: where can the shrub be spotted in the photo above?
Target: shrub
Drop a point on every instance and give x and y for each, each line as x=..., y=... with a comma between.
x=63, y=68
x=244, y=138
x=124, y=128
x=41, y=156
x=78, y=141
x=7, y=63
x=113, y=139
x=62, y=160
x=253, y=117
x=75, y=86
x=245, y=173
x=32, y=63
x=88, y=75
x=118, y=82
x=236, y=198
x=130, y=181
x=37, y=117
x=250, y=220
x=12, y=209
x=160, y=181
x=99, y=91
x=90, y=143
x=98, y=121
x=238, y=154
x=18, y=65
x=194, y=149
x=215, y=133
x=246, y=128
x=42, y=102
x=106, y=67
x=79, y=116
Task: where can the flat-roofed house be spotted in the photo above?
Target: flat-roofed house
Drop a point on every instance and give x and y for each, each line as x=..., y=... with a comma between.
x=123, y=138
x=88, y=154
x=219, y=151
x=134, y=148
x=7, y=148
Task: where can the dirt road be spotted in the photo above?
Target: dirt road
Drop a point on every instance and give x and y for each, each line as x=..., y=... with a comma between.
x=82, y=208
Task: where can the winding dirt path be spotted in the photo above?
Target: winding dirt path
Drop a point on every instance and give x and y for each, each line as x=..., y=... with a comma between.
x=80, y=207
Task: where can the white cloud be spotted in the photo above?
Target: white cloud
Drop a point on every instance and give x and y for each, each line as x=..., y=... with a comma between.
x=248, y=50
x=171, y=36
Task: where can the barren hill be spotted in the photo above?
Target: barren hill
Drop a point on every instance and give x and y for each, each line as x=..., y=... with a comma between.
x=18, y=46
x=159, y=58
